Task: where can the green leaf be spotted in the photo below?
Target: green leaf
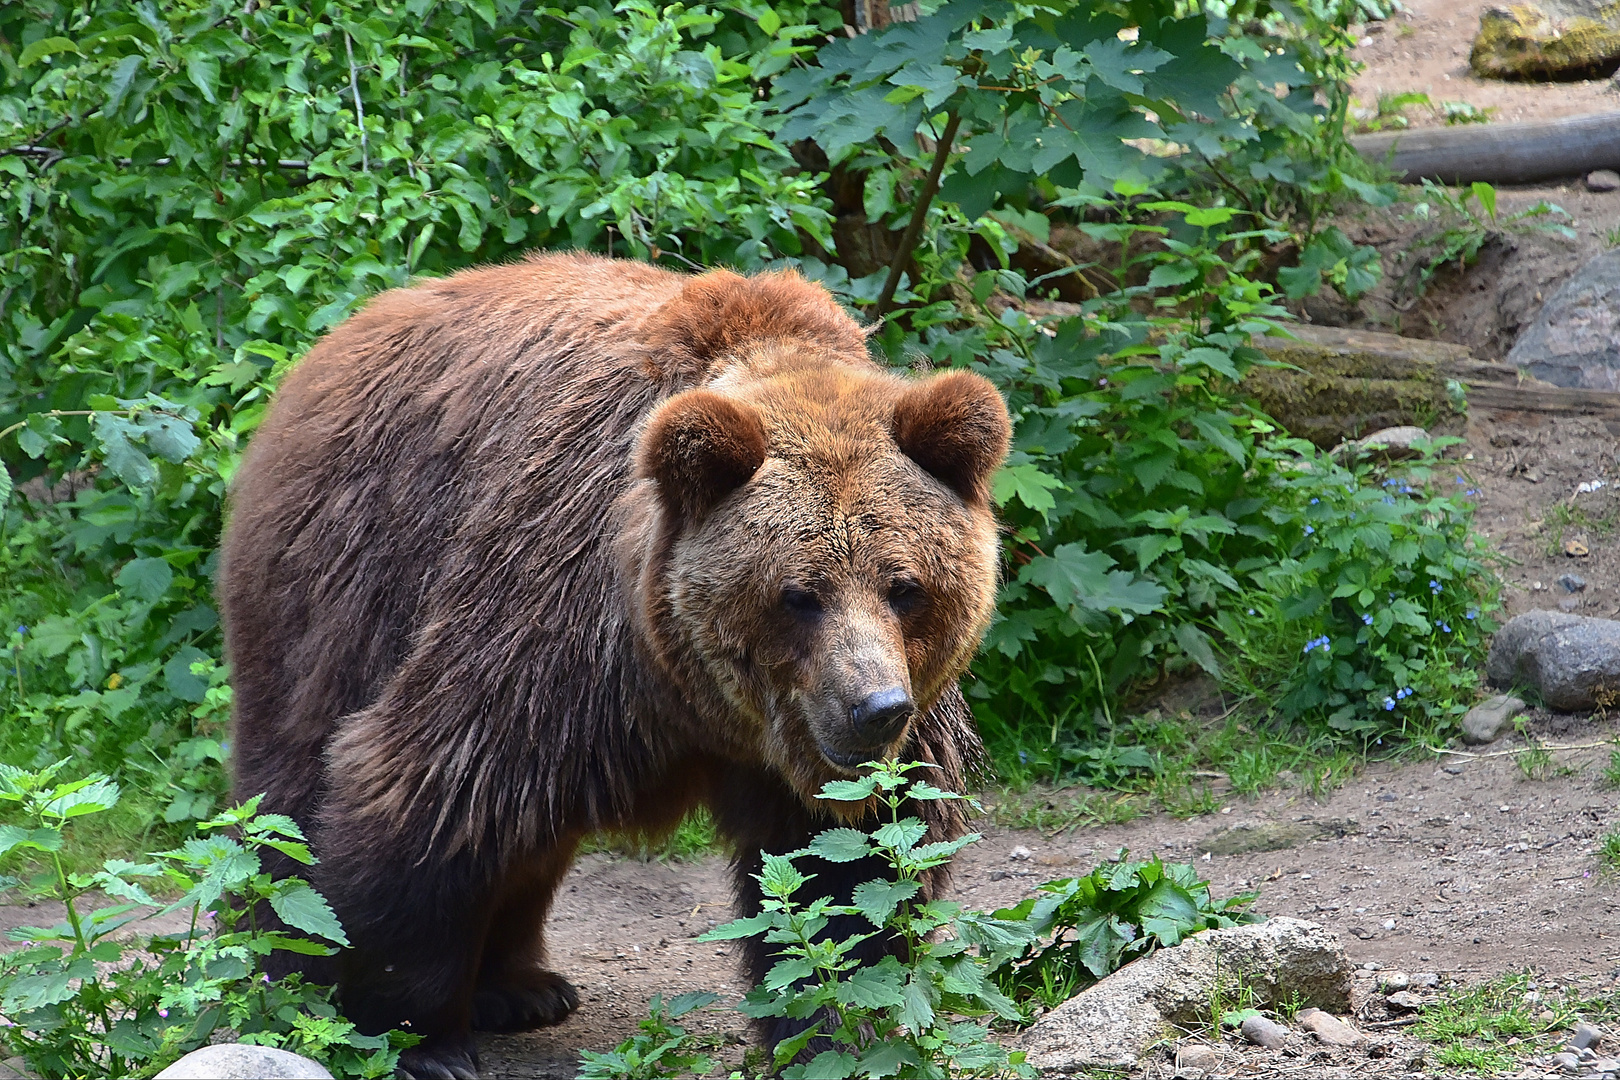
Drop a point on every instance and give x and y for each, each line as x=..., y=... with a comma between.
x=145, y=579
x=841, y=845
x=91, y=795
x=916, y=1011
x=848, y=790
x=878, y=900
x=1167, y=275
x=44, y=47
x=1076, y=578
x=682, y=1004
x=1196, y=644
x=13, y=837
x=752, y=926
x=302, y=908
x=1027, y=483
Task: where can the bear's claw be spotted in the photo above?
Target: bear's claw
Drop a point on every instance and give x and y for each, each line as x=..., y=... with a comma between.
x=439, y=1059
x=528, y=1000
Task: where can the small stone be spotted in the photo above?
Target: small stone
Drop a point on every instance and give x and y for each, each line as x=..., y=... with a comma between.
x=1569, y=604
x=1395, y=981
x=1264, y=1032
x=1585, y=1035
x=1198, y=1056
x=1573, y=341
x=1406, y=1001
x=1606, y=1065
x=1569, y=1063
x=1572, y=582
x=1372, y=965
x=1389, y=924
x=1426, y=980
x=998, y=875
x=16, y=1068
x=1329, y=1029
x=1452, y=770
x=1575, y=549
x=1393, y=442
x=1603, y=180
x=1019, y=854
x=241, y=1061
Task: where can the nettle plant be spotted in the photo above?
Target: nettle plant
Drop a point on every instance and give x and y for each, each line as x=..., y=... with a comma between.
x=903, y=1016
x=81, y=999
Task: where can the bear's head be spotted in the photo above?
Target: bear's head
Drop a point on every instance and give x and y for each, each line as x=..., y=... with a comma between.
x=827, y=561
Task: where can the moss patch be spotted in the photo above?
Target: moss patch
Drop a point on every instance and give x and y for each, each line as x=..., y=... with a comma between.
x=1354, y=384
x=1552, y=41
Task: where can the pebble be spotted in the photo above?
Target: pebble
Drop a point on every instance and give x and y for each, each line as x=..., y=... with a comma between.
x=1019, y=853
x=1585, y=1035
x=1426, y=980
x=1603, y=180
x=1487, y=721
x=1263, y=1032
x=1329, y=1029
x=1572, y=582
x=1395, y=981
x=1389, y=924
x=1198, y=1056
x=1567, y=1062
x=1569, y=604
x=1406, y=1001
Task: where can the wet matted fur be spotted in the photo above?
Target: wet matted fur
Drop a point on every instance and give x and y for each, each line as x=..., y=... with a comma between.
x=573, y=544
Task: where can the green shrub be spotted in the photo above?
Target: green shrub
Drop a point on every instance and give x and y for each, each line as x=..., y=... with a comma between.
x=1089, y=927
x=192, y=190
x=80, y=1001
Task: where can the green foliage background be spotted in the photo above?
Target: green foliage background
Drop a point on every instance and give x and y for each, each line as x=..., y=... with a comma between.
x=191, y=192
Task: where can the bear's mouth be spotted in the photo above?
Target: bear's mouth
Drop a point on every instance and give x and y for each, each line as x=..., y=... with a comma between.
x=847, y=760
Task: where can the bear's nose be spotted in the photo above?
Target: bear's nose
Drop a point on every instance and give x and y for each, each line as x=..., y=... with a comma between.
x=878, y=716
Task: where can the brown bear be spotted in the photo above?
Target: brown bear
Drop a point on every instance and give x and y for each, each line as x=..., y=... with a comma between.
x=576, y=544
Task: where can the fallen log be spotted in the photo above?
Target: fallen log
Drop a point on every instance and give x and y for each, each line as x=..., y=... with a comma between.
x=1499, y=153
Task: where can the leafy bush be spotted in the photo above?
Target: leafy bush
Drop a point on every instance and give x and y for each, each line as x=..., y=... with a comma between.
x=81, y=1001
x=1094, y=925
x=191, y=190
x=894, y=1017
x=904, y=1016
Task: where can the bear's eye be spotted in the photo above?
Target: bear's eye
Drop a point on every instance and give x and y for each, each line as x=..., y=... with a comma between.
x=801, y=602
x=906, y=596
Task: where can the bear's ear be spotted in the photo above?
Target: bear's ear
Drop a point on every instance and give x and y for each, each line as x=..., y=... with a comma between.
x=700, y=447
x=955, y=426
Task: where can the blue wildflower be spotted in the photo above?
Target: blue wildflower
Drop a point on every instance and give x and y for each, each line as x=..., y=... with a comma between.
x=22, y=629
x=1389, y=704
x=1315, y=501
x=1023, y=756
x=1367, y=618
x=1309, y=529
x=1251, y=611
x=1471, y=613
x=1446, y=627
x=1434, y=586
x=1389, y=500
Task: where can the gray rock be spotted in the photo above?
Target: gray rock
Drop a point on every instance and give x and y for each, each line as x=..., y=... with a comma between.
x=1405, y=1001
x=1427, y=980
x=1263, y=1032
x=1603, y=180
x=16, y=1068
x=1569, y=1063
x=1487, y=721
x=1569, y=659
x=1395, y=981
x=242, y=1061
x=1329, y=1029
x=1575, y=339
x=1572, y=582
x=1585, y=1035
x=1114, y=1022
x=1205, y=1059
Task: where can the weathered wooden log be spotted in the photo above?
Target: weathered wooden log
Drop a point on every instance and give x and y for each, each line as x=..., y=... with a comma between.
x=1499, y=153
x=1341, y=384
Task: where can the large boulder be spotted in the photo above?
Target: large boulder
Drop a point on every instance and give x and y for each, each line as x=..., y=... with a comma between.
x=244, y=1061
x=1115, y=1022
x=1575, y=338
x=1548, y=39
x=1572, y=661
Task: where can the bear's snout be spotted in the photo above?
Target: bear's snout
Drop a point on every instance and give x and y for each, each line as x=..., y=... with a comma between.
x=879, y=716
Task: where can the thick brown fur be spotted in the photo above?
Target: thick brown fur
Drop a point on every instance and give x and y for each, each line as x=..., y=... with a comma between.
x=576, y=544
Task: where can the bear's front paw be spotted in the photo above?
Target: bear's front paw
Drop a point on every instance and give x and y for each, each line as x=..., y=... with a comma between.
x=522, y=1001
x=442, y=1058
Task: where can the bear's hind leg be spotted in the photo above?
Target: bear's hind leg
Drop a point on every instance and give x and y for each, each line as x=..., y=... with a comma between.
x=515, y=990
